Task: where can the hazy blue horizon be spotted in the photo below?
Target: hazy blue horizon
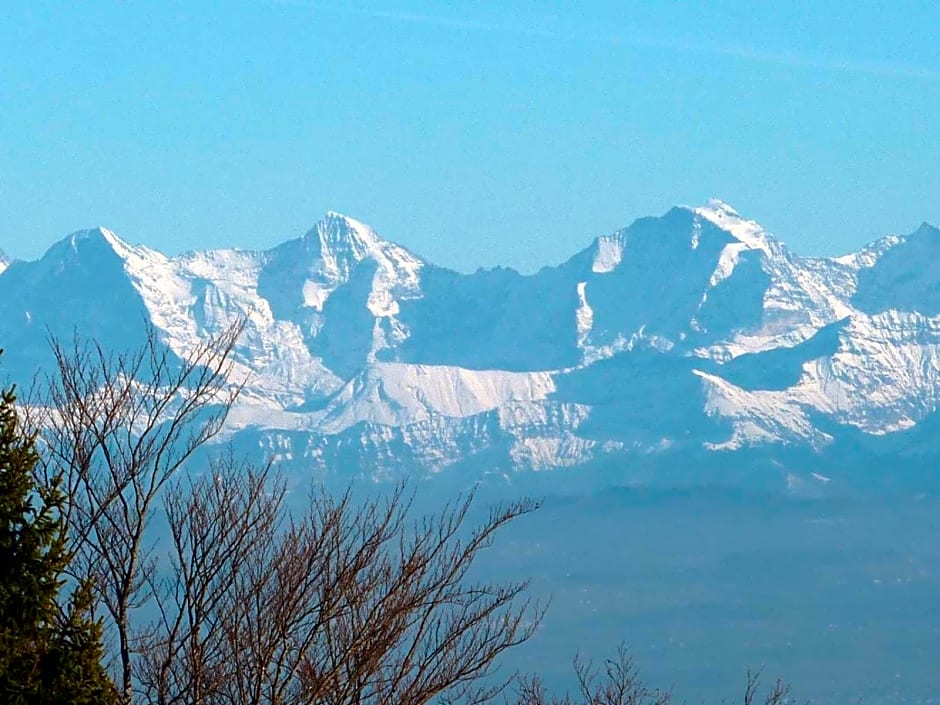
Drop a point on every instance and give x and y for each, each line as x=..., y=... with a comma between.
x=476, y=136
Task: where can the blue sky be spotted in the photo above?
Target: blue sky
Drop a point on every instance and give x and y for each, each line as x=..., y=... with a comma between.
x=474, y=133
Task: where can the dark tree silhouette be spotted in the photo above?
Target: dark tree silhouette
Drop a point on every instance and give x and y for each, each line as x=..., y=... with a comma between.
x=113, y=430
x=50, y=652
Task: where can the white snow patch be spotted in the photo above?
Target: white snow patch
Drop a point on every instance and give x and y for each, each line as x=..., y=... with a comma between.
x=397, y=394
x=609, y=253
x=749, y=232
x=584, y=316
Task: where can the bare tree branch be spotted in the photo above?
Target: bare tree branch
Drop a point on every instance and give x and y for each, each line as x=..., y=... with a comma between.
x=617, y=682
x=346, y=603
x=117, y=427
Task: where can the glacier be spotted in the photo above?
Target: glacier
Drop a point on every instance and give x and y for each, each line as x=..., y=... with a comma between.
x=695, y=336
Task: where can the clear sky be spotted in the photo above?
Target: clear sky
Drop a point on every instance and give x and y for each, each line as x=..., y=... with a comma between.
x=475, y=133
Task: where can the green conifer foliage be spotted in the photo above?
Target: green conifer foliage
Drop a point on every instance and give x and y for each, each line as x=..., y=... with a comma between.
x=50, y=652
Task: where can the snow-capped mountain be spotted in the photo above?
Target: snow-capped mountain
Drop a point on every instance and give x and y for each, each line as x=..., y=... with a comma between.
x=696, y=332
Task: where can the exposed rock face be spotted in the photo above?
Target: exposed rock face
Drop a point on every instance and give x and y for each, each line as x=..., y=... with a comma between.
x=695, y=331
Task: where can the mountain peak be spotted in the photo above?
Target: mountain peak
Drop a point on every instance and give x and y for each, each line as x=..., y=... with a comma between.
x=718, y=211
x=508, y=367
x=724, y=216
x=719, y=206
x=93, y=237
x=354, y=226
x=338, y=233
x=92, y=240
x=926, y=230
x=336, y=215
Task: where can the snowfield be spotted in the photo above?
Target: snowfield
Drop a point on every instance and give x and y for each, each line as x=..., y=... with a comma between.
x=696, y=329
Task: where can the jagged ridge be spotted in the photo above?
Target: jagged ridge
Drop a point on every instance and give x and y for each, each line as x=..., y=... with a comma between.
x=696, y=329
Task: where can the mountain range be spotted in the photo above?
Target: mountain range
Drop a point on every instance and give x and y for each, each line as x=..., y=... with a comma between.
x=694, y=339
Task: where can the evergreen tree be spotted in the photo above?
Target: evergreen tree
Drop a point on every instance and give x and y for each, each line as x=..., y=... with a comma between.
x=50, y=646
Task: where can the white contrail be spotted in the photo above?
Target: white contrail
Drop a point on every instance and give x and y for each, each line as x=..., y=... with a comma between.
x=847, y=65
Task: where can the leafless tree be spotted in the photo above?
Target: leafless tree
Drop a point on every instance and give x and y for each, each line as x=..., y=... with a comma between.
x=617, y=682
x=344, y=603
x=777, y=694
x=113, y=429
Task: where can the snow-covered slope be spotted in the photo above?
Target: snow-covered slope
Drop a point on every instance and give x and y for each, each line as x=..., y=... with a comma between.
x=697, y=330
